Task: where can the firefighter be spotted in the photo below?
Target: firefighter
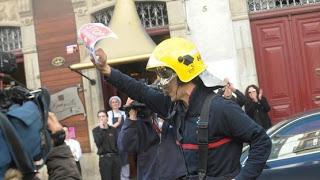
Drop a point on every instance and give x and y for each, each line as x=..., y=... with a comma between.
x=212, y=145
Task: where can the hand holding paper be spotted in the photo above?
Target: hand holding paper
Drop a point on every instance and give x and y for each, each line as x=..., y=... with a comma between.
x=91, y=33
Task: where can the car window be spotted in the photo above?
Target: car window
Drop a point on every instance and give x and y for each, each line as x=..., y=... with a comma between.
x=306, y=124
x=289, y=146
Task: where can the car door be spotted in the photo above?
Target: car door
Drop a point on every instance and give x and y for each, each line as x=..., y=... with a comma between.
x=294, y=168
x=294, y=157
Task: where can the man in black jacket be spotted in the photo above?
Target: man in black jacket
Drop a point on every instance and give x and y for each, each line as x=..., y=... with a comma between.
x=158, y=155
x=60, y=163
x=105, y=138
x=212, y=147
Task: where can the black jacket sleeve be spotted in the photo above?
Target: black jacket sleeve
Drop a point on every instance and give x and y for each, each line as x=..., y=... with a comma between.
x=241, y=98
x=128, y=140
x=137, y=136
x=239, y=126
x=61, y=164
x=97, y=136
x=155, y=100
x=264, y=105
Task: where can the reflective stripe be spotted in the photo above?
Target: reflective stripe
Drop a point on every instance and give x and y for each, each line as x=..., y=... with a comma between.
x=211, y=145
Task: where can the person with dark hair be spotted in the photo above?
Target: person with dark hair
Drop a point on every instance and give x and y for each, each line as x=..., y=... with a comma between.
x=257, y=106
x=210, y=129
x=30, y=137
x=153, y=140
x=60, y=163
x=105, y=137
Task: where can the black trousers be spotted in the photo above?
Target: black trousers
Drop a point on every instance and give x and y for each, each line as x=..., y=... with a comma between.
x=79, y=167
x=110, y=167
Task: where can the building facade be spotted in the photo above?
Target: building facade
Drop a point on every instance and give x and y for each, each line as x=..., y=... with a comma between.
x=228, y=33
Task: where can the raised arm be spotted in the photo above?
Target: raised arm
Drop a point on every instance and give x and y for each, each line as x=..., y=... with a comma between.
x=97, y=136
x=154, y=99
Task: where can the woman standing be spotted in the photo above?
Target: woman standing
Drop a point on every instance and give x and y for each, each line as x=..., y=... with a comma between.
x=257, y=106
x=116, y=119
x=115, y=115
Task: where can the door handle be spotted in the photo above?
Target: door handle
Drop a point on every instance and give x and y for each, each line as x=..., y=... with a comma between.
x=317, y=71
x=317, y=98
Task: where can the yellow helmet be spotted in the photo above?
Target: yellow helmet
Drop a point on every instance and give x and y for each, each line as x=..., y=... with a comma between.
x=180, y=55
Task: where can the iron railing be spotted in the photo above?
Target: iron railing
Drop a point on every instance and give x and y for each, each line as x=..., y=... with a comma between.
x=265, y=5
x=152, y=14
x=10, y=38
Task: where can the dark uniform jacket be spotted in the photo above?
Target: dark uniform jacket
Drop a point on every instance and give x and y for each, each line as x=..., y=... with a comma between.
x=226, y=119
x=159, y=157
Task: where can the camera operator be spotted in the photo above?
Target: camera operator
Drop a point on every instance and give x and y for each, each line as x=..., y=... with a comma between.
x=158, y=156
x=60, y=162
x=29, y=135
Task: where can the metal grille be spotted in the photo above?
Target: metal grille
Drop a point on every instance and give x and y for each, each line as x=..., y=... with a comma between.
x=103, y=16
x=152, y=14
x=10, y=38
x=264, y=5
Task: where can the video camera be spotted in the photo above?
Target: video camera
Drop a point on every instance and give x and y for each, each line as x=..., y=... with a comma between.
x=24, y=136
x=143, y=111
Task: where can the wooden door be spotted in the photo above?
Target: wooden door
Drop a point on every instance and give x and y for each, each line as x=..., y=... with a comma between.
x=287, y=51
x=306, y=35
x=275, y=65
x=55, y=28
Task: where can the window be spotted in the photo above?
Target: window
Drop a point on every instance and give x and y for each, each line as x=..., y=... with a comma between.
x=153, y=14
x=10, y=38
x=103, y=16
x=264, y=5
x=307, y=124
x=290, y=146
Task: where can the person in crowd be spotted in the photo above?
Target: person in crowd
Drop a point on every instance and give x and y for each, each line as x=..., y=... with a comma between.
x=115, y=115
x=74, y=147
x=60, y=162
x=211, y=146
x=116, y=119
x=105, y=137
x=257, y=106
x=153, y=140
x=230, y=92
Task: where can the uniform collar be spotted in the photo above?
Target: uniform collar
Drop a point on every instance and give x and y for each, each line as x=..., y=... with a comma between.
x=196, y=100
